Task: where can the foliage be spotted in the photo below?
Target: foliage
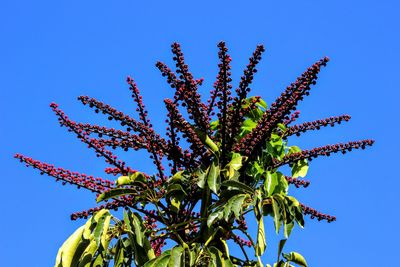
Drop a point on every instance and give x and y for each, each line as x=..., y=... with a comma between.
x=225, y=158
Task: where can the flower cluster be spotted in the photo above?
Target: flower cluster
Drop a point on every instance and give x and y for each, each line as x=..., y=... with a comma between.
x=188, y=91
x=315, y=125
x=279, y=110
x=89, y=182
x=91, y=142
x=297, y=182
x=241, y=241
x=118, y=138
x=222, y=91
x=236, y=111
x=199, y=147
x=323, y=151
x=189, y=133
x=314, y=214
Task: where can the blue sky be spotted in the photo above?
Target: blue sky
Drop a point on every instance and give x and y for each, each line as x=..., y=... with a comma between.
x=58, y=50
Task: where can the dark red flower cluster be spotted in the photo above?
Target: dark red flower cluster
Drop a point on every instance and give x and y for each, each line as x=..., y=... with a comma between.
x=89, y=182
x=236, y=111
x=154, y=143
x=193, y=126
x=297, y=182
x=188, y=131
x=293, y=117
x=279, y=110
x=323, y=151
x=315, y=125
x=240, y=241
x=118, y=138
x=91, y=142
x=222, y=91
x=314, y=214
x=188, y=92
x=157, y=244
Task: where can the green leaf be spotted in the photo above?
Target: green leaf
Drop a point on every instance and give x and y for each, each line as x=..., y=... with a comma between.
x=213, y=177
x=295, y=206
x=282, y=243
x=296, y=258
x=275, y=183
x=133, y=177
x=234, y=165
x=174, y=196
x=201, y=177
x=123, y=253
x=262, y=103
x=216, y=215
x=217, y=257
x=287, y=229
x=207, y=141
x=261, y=241
x=96, y=231
x=238, y=185
x=140, y=244
x=80, y=248
x=178, y=177
x=117, y=192
x=161, y=261
x=247, y=126
x=275, y=147
x=270, y=183
x=282, y=127
x=214, y=125
x=277, y=206
x=176, y=257
x=300, y=168
x=234, y=205
x=67, y=251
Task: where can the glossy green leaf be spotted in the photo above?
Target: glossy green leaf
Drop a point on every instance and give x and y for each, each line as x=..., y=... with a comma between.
x=300, y=168
x=68, y=250
x=282, y=243
x=217, y=257
x=176, y=259
x=216, y=215
x=287, y=229
x=238, y=185
x=247, y=126
x=275, y=183
x=213, y=177
x=296, y=258
x=277, y=207
x=133, y=177
x=123, y=253
x=174, y=196
x=261, y=244
x=201, y=177
x=234, y=165
x=117, y=192
x=234, y=205
x=160, y=261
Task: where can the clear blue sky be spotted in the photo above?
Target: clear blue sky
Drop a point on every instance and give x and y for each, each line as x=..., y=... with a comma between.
x=58, y=50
